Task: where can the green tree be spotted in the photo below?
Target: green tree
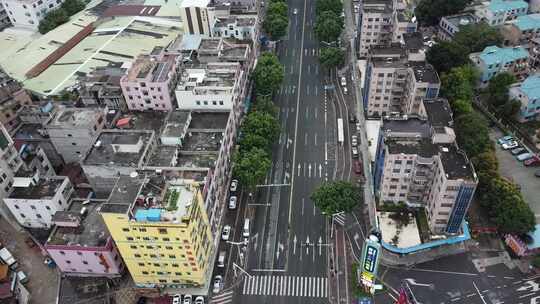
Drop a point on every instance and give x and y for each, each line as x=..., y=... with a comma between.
x=461, y=107
x=476, y=37
x=336, y=197
x=510, y=108
x=71, y=7
x=536, y=261
x=486, y=162
x=335, y=6
x=268, y=74
x=446, y=55
x=328, y=26
x=331, y=57
x=262, y=124
x=276, y=26
x=473, y=134
x=277, y=8
x=52, y=20
x=250, y=141
x=266, y=105
x=497, y=89
x=251, y=167
x=429, y=12
x=459, y=83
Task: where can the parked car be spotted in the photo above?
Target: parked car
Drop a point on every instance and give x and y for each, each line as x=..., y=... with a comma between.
x=357, y=165
x=525, y=156
x=352, y=118
x=343, y=81
x=176, y=299
x=234, y=185
x=295, y=11
x=505, y=139
x=510, y=145
x=226, y=233
x=354, y=140
x=518, y=151
x=537, y=173
x=218, y=281
x=22, y=277
x=187, y=299
x=8, y=258
x=199, y=300
x=354, y=152
x=358, y=127
x=232, y=202
x=533, y=161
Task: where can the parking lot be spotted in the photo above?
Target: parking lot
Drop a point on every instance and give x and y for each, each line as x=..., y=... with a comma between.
x=514, y=170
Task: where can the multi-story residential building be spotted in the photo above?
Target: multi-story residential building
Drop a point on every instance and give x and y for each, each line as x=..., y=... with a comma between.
x=72, y=130
x=497, y=12
x=402, y=23
x=211, y=86
x=528, y=93
x=422, y=83
x=80, y=243
x=224, y=50
x=34, y=199
x=161, y=230
x=36, y=136
x=4, y=17
x=12, y=99
x=28, y=13
x=534, y=52
x=450, y=25
x=10, y=162
x=418, y=163
x=243, y=5
x=493, y=60
x=150, y=81
x=198, y=17
x=241, y=28
x=101, y=87
x=521, y=30
x=35, y=159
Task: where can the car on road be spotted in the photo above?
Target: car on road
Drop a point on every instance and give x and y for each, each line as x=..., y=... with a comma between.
x=187, y=299
x=354, y=140
x=295, y=11
x=352, y=118
x=358, y=127
x=226, y=233
x=354, y=152
x=343, y=81
x=510, y=145
x=525, y=156
x=505, y=139
x=176, y=299
x=534, y=161
x=345, y=91
x=232, y=202
x=357, y=165
x=199, y=300
x=537, y=173
x=234, y=185
x=218, y=282
x=518, y=151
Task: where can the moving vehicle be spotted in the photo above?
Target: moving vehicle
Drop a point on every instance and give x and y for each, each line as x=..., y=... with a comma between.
x=505, y=139
x=8, y=259
x=357, y=165
x=234, y=185
x=345, y=91
x=343, y=81
x=225, y=234
x=232, y=202
x=295, y=11
x=187, y=299
x=199, y=300
x=518, y=151
x=525, y=156
x=176, y=299
x=221, y=259
x=245, y=232
x=510, y=145
x=354, y=140
x=354, y=152
x=534, y=161
x=340, y=130
x=218, y=281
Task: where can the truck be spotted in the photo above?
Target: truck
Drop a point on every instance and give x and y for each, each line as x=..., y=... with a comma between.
x=8, y=258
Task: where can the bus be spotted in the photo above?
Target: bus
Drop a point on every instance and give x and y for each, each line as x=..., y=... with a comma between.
x=340, y=131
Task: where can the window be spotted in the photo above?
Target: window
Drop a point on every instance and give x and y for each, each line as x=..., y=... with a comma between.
x=163, y=231
x=68, y=262
x=33, y=207
x=198, y=102
x=85, y=262
x=22, y=215
x=396, y=170
x=135, y=255
x=38, y=215
x=125, y=229
x=16, y=206
x=221, y=102
x=141, y=264
x=133, y=247
x=145, y=272
x=129, y=238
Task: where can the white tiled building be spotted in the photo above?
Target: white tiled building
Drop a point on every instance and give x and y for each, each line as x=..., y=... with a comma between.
x=28, y=13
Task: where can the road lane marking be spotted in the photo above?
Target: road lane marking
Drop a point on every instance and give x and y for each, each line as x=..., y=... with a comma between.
x=305, y=139
x=315, y=139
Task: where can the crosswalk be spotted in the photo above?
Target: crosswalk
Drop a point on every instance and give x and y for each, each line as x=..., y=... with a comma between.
x=340, y=219
x=286, y=286
x=222, y=298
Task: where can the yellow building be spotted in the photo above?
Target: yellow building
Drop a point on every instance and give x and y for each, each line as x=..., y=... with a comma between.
x=163, y=233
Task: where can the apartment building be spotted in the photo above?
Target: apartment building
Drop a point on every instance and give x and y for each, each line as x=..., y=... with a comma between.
x=233, y=26
x=528, y=93
x=493, y=60
x=449, y=25
x=4, y=17
x=497, y=12
x=422, y=83
x=521, y=30
x=101, y=87
x=150, y=81
x=34, y=199
x=34, y=135
x=80, y=243
x=12, y=99
x=28, y=13
x=72, y=130
x=419, y=163
x=198, y=17
x=10, y=162
x=162, y=231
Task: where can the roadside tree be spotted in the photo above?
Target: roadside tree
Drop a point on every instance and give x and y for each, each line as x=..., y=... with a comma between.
x=336, y=197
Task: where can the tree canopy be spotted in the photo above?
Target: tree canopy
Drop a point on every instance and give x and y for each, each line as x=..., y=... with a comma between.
x=336, y=197
x=260, y=126
x=251, y=167
x=331, y=57
x=429, y=12
x=60, y=15
x=473, y=134
x=277, y=19
x=476, y=37
x=268, y=74
x=334, y=6
x=446, y=54
x=459, y=83
x=328, y=26
x=265, y=104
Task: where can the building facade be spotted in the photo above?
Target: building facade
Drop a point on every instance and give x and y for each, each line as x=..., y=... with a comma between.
x=493, y=60
x=198, y=17
x=12, y=99
x=450, y=25
x=528, y=93
x=236, y=27
x=10, y=162
x=28, y=13
x=521, y=30
x=497, y=12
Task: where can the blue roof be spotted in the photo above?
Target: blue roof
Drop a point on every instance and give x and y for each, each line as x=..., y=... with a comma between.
x=535, y=235
x=528, y=22
x=531, y=88
x=506, y=5
x=150, y=215
x=494, y=54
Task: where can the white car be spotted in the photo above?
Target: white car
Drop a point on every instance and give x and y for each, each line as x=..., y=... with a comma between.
x=176, y=299
x=218, y=281
x=354, y=152
x=187, y=299
x=343, y=81
x=234, y=185
x=357, y=127
x=295, y=11
x=232, y=202
x=354, y=140
x=225, y=234
x=199, y=300
x=510, y=145
x=525, y=156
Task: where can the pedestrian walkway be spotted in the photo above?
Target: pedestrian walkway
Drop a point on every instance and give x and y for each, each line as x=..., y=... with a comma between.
x=286, y=286
x=222, y=298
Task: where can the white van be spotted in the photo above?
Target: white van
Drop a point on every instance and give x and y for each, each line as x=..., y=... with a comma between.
x=245, y=232
x=221, y=259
